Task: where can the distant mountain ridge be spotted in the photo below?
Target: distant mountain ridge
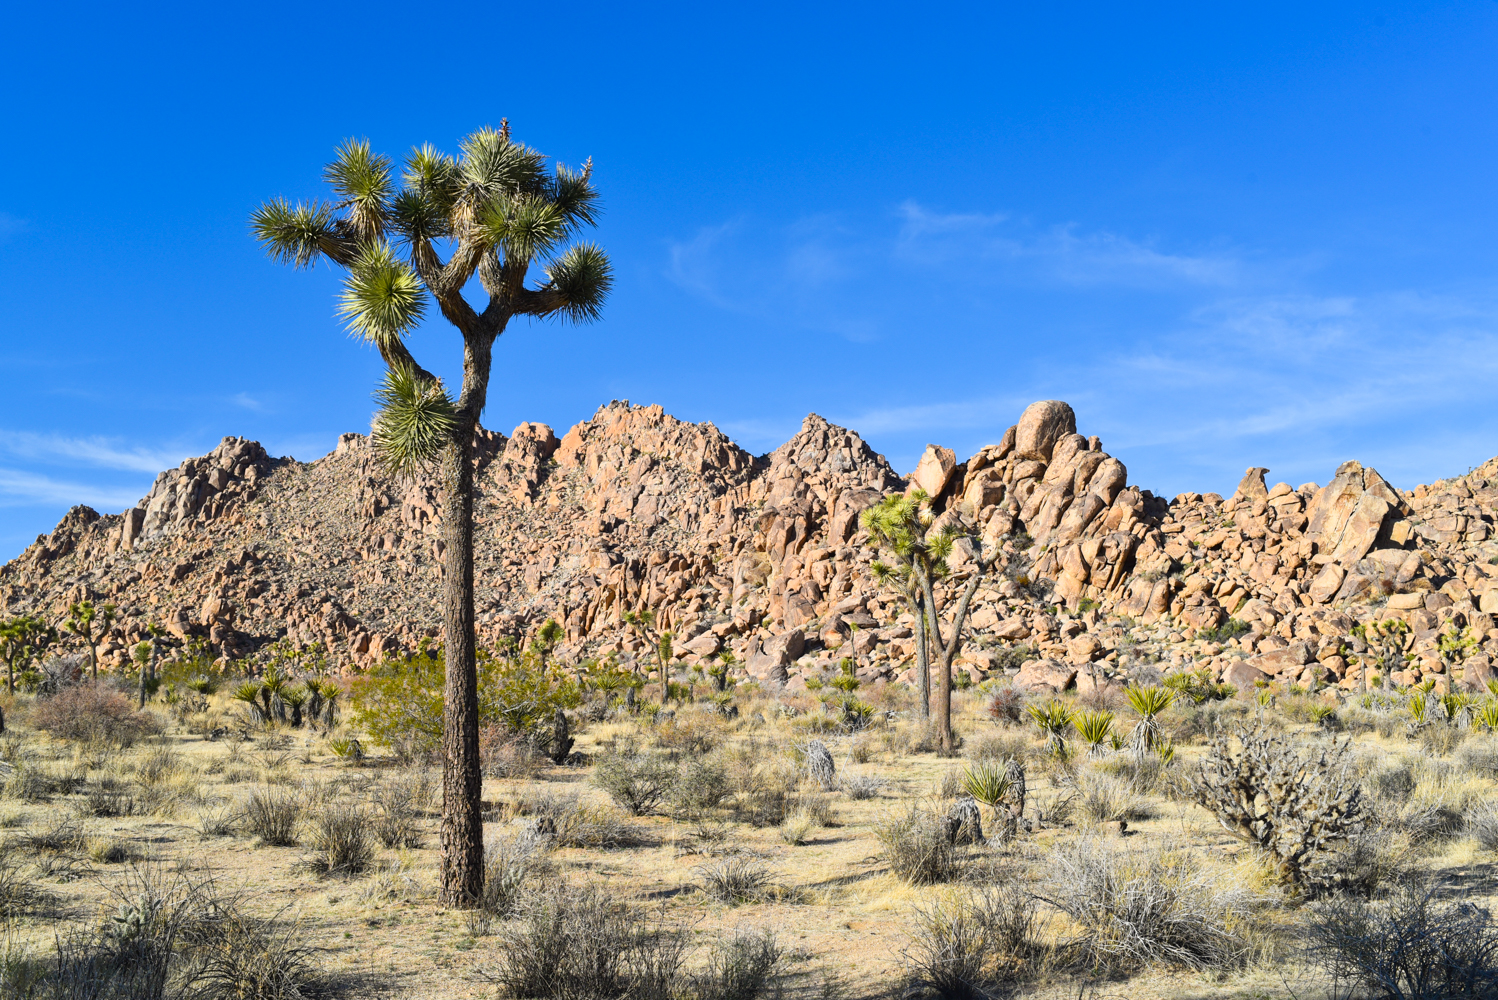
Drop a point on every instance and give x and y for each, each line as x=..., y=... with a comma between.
x=634, y=508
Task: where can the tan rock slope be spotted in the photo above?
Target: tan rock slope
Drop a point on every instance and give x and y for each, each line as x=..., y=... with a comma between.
x=764, y=556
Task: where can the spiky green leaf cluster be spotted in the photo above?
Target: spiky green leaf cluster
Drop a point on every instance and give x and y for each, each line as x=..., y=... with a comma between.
x=1149, y=701
x=1094, y=726
x=415, y=420
x=989, y=782
x=382, y=298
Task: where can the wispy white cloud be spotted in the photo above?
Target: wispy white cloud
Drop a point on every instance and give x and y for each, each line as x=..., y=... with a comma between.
x=1064, y=252
x=18, y=489
x=102, y=452
x=247, y=401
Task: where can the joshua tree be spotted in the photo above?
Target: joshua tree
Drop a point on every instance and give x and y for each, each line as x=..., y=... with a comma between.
x=546, y=639
x=903, y=528
x=496, y=209
x=644, y=624
x=22, y=638
x=85, y=621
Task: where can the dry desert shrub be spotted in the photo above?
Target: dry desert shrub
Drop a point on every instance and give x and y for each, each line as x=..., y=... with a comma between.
x=271, y=814
x=93, y=713
x=1159, y=908
x=917, y=845
x=342, y=842
x=637, y=778
x=742, y=966
x=974, y=947
x=509, y=863
x=1412, y=947
x=579, y=943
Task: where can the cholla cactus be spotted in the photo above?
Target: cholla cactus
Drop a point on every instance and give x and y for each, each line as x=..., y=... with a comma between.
x=1291, y=802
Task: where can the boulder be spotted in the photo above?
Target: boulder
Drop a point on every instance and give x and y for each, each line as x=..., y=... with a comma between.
x=767, y=661
x=934, y=470
x=1251, y=487
x=1243, y=675
x=1327, y=583
x=1288, y=660
x=1041, y=426
x=1083, y=649
x=1045, y=675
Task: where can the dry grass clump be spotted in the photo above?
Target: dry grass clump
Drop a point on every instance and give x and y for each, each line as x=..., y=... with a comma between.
x=20, y=895
x=342, y=842
x=736, y=879
x=93, y=713
x=272, y=815
x=974, y=947
x=917, y=845
x=571, y=822
x=1102, y=798
x=862, y=786
x=579, y=943
x=1134, y=911
x=166, y=935
x=397, y=807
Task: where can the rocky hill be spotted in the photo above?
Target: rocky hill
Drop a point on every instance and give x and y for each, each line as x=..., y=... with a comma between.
x=763, y=555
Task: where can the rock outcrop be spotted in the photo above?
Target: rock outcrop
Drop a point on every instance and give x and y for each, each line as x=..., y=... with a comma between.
x=764, y=556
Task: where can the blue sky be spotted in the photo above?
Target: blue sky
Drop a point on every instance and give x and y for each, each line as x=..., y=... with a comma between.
x=1229, y=235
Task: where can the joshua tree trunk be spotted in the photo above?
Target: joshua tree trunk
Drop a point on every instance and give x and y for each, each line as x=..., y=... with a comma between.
x=946, y=649
x=462, y=823
x=922, y=657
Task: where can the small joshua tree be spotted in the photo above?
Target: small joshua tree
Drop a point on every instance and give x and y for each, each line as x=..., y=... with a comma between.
x=21, y=639
x=90, y=623
x=546, y=640
x=1291, y=802
x=914, y=552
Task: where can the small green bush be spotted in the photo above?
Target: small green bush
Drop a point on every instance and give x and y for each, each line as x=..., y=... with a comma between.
x=399, y=703
x=637, y=779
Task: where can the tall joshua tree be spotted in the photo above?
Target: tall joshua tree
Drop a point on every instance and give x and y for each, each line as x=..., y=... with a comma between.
x=914, y=552
x=496, y=209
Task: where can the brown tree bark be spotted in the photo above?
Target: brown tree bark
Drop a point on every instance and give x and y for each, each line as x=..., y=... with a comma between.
x=462, y=783
x=946, y=649
x=923, y=657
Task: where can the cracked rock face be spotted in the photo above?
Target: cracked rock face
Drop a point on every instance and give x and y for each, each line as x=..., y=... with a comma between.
x=764, y=556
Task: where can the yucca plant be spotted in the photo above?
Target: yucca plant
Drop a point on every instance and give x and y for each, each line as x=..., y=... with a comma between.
x=249, y=693
x=1148, y=702
x=1457, y=707
x=1487, y=715
x=294, y=698
x=1095, y=727
x=330, y=692
x=1053, y=719
x=1419, y=707
x=498, y=209
x=991, y=783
